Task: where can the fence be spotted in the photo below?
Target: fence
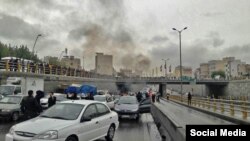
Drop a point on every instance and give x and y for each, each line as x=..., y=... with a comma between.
x=229, y=105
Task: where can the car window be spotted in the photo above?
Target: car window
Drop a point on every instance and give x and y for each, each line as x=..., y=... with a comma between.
x=67, y=111
x=90, y=111
x=102, y=109
x=127, y=100
x=146, y=101
x=18, y=90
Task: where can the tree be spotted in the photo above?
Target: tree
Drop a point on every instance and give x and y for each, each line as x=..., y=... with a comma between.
x=220, y=73
x=14, y=51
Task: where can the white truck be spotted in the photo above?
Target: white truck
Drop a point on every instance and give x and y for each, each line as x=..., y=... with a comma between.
x=21, y=85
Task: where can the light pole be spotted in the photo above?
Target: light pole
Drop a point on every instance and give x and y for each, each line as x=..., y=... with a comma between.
x=35, y=43
x=179, y=31
x=165, y=66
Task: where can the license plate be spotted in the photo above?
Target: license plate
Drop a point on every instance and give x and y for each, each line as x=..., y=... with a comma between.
x=125, y=116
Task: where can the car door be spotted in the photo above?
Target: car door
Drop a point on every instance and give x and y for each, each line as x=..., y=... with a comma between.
x=105, y=118
x=88, y=129
x=110, y=103
x=145, y=106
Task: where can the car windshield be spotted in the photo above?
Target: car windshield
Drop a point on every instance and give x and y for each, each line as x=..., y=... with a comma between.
x=11, y=100
x=66, y=111
x=7, y=90
x=100, y=98
x=127, y=100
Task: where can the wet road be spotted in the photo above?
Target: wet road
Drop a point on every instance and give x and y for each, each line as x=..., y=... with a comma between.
x=129, y=130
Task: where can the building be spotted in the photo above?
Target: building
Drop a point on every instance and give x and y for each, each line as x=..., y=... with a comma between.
x=204, y=71
x=216, y=65
x=186, y=71
x=104, y=64
x=72, y=62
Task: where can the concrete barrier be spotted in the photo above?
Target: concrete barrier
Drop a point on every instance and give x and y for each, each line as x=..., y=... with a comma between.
x=165, y=121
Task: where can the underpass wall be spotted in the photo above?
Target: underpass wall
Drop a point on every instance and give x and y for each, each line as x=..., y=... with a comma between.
x=197, y=89
x=238, y=88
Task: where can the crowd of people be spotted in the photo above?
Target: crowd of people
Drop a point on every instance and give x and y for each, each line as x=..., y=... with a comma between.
x=30, y=105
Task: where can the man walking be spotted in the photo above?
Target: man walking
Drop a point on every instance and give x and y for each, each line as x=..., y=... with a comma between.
x=52, y=100
x=189, y=98
x=29, y=106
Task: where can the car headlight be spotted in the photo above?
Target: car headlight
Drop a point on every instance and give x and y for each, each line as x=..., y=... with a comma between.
x=134, y=110
x=48, y=135
x=6, y=110
x=11, y=131
x=117, y=109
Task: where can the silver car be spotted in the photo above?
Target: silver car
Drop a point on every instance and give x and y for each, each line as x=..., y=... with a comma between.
x=127, y=107
x=10, y=107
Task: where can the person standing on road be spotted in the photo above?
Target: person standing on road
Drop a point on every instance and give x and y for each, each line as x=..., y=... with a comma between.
x=189, y=98
x=29, y=106
x=52, y=99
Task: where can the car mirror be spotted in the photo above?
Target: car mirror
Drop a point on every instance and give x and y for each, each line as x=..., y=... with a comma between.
x=84, y=119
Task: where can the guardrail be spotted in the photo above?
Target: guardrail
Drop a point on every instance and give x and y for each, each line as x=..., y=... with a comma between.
x=223, y=106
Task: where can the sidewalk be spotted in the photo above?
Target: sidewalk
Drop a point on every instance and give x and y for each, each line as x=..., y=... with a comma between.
x=236, y=119
x=183, y=116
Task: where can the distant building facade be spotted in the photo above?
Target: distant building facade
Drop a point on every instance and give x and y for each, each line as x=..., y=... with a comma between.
x=104, y=64
x=72, y=62
x=186, y=71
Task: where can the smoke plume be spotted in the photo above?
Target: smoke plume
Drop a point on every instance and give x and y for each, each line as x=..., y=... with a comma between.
x=108, y=32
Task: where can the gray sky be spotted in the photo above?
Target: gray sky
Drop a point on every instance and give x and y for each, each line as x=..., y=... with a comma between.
x=130, y=29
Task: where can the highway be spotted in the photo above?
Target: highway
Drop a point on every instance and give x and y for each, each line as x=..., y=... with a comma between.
x=129, y=130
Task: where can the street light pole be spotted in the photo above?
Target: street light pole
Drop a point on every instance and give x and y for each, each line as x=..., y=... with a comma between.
x=165, y=66
x=179, y=31
x=35, y=43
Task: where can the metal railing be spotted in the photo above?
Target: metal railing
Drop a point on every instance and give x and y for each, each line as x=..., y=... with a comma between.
x=226, y=105
x=41, y=68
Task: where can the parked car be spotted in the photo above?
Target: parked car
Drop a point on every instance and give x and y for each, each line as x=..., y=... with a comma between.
x=10, y=107
x=79, y=120
x=107, y=99
x=1, y=96
x=59, y=98
x=127, y=107
x=145, y=105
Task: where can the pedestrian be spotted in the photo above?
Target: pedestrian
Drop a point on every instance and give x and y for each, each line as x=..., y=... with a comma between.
x=153, y=97
x=23, y=65
x=16, y=64
x=29, y=106
x=139, y=96
x=39, y=95
x=52, y=99
x=189, y=98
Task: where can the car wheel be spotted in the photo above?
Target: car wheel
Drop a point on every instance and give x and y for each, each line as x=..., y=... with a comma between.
x=15, y=116
x=137, y=117
x=70, y=138
x=111, y=133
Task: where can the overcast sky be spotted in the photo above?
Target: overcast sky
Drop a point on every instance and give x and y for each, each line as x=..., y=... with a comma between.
x=130, y=29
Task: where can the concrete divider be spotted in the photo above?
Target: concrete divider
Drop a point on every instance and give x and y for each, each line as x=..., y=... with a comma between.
x=169, y=125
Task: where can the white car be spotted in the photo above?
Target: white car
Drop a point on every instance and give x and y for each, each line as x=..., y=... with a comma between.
x=79, y=120
x=107, y=99
x=59, y=98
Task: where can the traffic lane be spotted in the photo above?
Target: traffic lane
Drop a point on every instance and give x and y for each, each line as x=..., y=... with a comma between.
x=129, y=129
x=132, y=130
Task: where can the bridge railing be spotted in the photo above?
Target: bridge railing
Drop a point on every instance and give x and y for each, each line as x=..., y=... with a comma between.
x=229, y=106
x=41, y=68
